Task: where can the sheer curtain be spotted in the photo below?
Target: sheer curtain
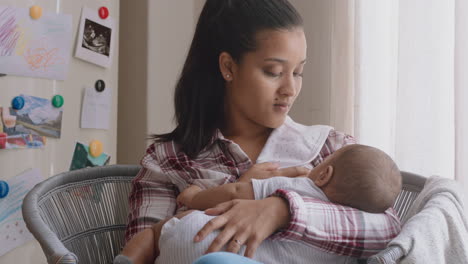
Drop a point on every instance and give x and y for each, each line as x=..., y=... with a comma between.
x=461, y=94
x=410, y=85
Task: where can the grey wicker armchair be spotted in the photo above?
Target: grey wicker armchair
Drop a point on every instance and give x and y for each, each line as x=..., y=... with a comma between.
x=81, y=215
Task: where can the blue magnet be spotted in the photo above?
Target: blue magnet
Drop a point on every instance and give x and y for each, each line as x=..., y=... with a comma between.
x=17, y=103
x=4, y=189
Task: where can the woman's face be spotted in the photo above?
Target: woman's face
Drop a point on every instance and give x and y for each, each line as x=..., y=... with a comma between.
x=266, y=82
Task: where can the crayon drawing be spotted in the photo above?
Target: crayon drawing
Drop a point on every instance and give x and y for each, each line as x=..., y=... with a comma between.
x=34, y=48
x=13, y=231
x=43, y=58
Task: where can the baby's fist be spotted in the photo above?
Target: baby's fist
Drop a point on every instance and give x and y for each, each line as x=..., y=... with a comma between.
x=186, y=196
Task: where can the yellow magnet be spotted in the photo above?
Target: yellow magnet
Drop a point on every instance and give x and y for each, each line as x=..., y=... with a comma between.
x=35, y=12
x=95, y=148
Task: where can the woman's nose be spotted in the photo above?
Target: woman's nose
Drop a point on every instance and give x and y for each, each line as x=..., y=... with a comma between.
x=288, y=87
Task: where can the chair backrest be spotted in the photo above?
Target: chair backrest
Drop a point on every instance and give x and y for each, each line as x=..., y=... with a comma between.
x=412, y=185
x=81, y=215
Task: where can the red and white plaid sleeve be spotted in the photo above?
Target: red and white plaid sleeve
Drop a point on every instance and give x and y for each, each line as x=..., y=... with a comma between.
x=337, y=229
x=152, y=198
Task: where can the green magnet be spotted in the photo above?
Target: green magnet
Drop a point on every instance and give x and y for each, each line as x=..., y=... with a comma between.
x=57, y=101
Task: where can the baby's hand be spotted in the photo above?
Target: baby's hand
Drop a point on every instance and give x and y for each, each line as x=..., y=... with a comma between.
x=186, y=196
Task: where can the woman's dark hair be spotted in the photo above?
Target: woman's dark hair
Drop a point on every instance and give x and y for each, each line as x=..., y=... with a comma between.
x=224, y=26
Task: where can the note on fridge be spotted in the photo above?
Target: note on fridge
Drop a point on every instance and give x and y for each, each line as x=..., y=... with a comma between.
x=96, y=108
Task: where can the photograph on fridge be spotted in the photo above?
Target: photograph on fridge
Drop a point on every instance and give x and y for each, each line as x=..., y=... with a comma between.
x=95, y=38
x=37, y=117
x=11, y=138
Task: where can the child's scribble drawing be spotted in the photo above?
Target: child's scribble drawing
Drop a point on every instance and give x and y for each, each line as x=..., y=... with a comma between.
x=8, y=34
x=43, y=57
x=13, y=231
x=34, y=48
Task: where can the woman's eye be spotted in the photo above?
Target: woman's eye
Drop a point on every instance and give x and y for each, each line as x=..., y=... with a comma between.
x=272, y=74
x=297, y=74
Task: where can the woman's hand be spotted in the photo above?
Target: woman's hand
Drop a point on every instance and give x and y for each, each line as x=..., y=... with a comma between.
x=245, y=222
x=269, y=169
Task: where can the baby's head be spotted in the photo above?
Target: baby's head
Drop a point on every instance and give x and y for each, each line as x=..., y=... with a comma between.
x=359, y=176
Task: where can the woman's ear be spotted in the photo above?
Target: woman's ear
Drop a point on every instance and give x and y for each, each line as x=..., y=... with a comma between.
x=226, y=66
x=324, y=176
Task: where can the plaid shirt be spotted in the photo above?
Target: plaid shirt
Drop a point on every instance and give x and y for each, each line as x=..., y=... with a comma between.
x=332, y=228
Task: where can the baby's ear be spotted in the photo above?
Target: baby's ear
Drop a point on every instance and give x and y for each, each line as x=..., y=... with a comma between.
x=324, y=176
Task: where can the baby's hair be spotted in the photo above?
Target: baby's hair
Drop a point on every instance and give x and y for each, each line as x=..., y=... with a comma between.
x=365, y=178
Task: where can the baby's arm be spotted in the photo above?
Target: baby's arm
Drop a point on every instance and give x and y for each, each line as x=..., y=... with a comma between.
x=196, y=198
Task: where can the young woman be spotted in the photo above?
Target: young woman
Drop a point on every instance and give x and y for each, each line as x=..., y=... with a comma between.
x=242, y=74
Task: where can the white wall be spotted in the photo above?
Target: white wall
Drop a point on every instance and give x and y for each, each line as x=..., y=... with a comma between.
x=312, y=106
x=163, y=31
x=328, y=85
x=57, y=154
x=170, y=32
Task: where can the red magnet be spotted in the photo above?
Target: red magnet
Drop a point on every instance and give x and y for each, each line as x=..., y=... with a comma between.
x=103, y=12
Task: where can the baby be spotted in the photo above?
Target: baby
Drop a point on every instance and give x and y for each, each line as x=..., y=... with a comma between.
x=358, y=176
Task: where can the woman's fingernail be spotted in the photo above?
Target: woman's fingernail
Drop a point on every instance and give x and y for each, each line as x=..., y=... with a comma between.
x=197, y=238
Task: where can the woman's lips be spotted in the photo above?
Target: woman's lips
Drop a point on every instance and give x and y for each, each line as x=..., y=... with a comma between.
x=281, y=107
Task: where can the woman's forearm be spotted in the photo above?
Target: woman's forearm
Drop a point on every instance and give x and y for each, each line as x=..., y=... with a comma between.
x=211, y=197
